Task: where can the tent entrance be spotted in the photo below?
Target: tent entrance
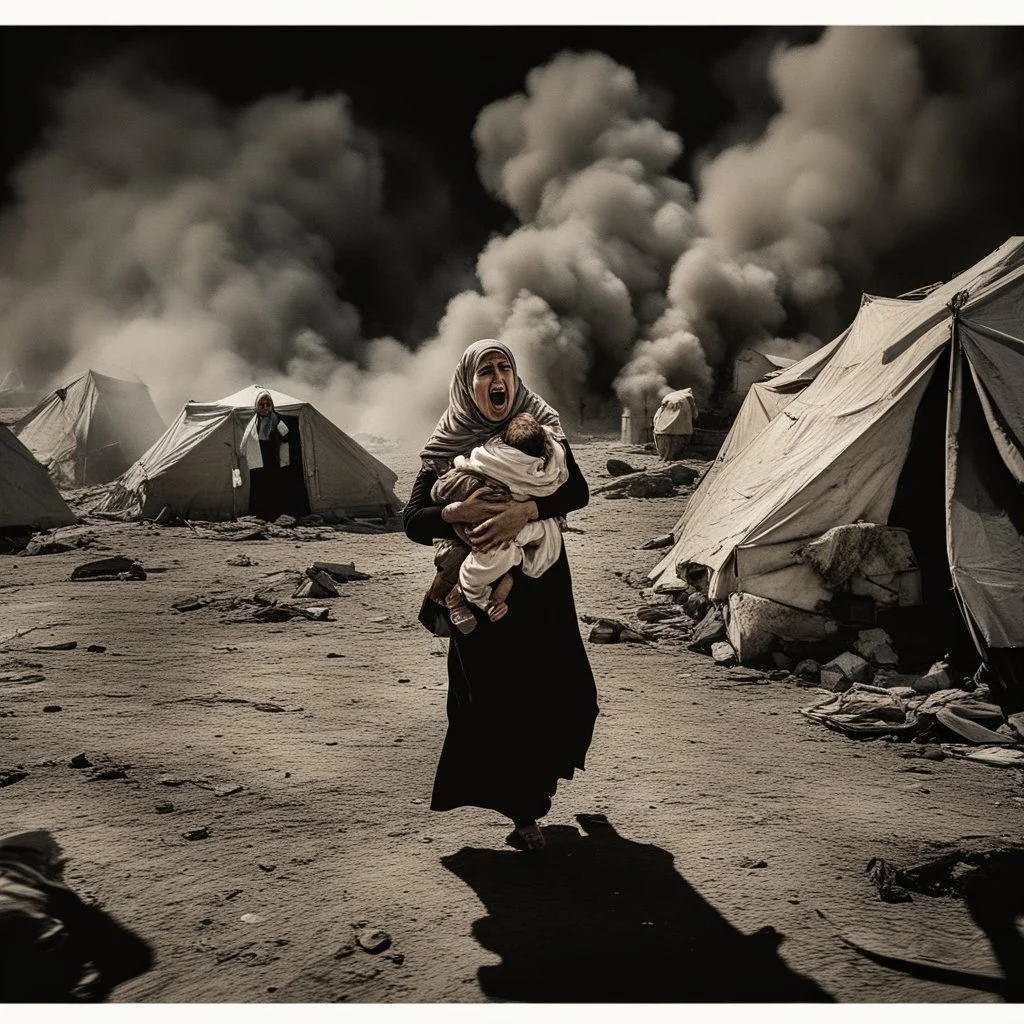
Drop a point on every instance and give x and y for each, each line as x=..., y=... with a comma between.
x=924, y=633
x=277, y=490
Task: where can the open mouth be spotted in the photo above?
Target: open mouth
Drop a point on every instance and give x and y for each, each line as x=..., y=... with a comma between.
x=498, y=397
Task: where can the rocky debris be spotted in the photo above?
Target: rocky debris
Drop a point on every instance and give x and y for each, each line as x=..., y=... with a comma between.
x=57, y=541
x=50, y=708
x=697, y=605
x=107, y=772
x=80, y=761
x=875, y=646
x=808, y=669
x=649, y=483
x=757, y=626
x=613, y=631
x=659, y=613
x=665, y=540
x=163, y=807
x=23, y=678
x=44, y=544
x=708, y=631
x=619, y=467
x=370, y=938
x=64, y=645
x=95, y=648
x=341, y=572
x=842, y=672
x=197, y=833
x=938, y=677
x=10, y=774
x=885, y=877
x=722, y=653
x=116, y=568
x=308, y=528
x=190, y=604
x=229, y=790
x=317, y=583
x=241, y=560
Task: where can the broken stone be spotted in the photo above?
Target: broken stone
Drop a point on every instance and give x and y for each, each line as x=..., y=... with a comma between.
x=241, y=560
x=885, y=879
x=840, y=673
x=68, y=645
x=105, y=773
x=52, y=707
x=266, y=865
x=666, y=540
x=79, y=761
x=808, y=669
x=697, y=605
x=106, y=569
x=164, y=807
x=619, y=467
x=875, y=645
x=938, y=677
x=229, y=790
x=606, y=631
x=341, y=572
x=749, y=862
x=188, y=604
x=722, y=653
x=9, y=776
x=198, y=833
x=373, y=940
x=95, y=648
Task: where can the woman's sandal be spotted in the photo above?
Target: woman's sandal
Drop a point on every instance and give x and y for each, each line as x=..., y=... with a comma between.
x=527, y=837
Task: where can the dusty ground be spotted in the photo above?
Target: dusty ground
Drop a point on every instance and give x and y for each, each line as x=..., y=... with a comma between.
x=703, y=778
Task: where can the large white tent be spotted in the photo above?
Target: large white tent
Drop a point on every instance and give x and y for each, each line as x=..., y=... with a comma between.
x=28, y=497
x=92, y=429
x=196, y=469
x=825, y=443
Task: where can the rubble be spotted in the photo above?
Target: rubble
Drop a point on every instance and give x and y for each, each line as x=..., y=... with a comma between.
x=653, y=483
x=115, y=568
x=618, y=467
x=842, y=672
x=722, y=653
x=875, y=646
x=936, y=678
x=710, y=629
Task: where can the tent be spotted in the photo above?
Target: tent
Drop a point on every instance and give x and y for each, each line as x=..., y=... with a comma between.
x=91, y=430
x=752, y=365
x=28, y=497
x=196, y=471
x=912, y=418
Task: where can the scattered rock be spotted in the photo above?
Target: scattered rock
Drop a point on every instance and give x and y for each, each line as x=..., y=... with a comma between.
x=105, y=773
x=68, y=645
x=108, y=569
x=749, y=862
x=21, y=677
x=341, y=572
x=79, y=761
x=808, y=669
x=164, y=807
x=618, y=467
x=841, y=673
x=666, y=540
x=52, y=707
x=229, y=790
x=885, y=879
x=266, y=865
x=372, y=940
x=133, y=572
x=875, y=645
x=188, y=604
x=95, y=648
x=198, y=833
x=251, y=918
x=9, y=776
x=708, y=631
x=722, y=653
x=241, y=560
x=697, y=605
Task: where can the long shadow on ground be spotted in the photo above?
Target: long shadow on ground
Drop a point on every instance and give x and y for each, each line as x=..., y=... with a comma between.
x=599, y=918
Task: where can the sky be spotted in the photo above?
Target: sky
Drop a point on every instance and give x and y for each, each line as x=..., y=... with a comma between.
x=337, y=211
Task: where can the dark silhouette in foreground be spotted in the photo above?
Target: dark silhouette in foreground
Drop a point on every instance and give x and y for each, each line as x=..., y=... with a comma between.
x=599, y=918
x=53, y=947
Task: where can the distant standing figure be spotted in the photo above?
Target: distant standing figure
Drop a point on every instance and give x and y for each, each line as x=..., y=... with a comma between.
x=673, y=423
x=267, y=456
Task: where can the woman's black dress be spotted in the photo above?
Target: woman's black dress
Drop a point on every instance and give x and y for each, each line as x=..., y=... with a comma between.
x=521, y=695
x=267, y=485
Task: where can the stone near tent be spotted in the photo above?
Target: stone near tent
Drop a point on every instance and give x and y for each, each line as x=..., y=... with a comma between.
x=697, y=605
x=875, y=645
x=808, y=669
x=341, y=572
x=841, y=673
x=708, y=631
x=938, y=677
x=722, y=653
x=617, y=467
x=107, y=569
x=756, y=625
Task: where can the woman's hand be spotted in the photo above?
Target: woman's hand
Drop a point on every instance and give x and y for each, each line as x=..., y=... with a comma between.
x=481, y=505
x=502, y=527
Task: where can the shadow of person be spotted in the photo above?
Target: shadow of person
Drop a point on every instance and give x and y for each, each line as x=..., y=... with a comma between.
x=599, y=918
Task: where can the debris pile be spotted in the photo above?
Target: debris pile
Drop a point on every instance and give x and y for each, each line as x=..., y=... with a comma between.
x=648, y=483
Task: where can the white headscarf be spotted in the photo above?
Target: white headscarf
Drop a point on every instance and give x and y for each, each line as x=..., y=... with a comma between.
x=261, y=428
x=463, y=426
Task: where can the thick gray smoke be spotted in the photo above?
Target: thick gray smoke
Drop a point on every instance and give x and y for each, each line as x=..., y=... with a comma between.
x=162, y=234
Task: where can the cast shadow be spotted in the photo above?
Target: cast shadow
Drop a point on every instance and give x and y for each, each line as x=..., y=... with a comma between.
x=599, y=918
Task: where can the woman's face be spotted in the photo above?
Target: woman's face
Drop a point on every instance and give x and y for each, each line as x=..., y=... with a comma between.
x=494, y=385
x=265, y=406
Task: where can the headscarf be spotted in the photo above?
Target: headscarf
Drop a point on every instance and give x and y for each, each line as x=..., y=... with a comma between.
x=262, y=428
x=463, y=426
x=265, y=424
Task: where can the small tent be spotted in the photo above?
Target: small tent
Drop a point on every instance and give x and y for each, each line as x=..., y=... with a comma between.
x=91, y=430
x=196, y=470
x=912, y=418
x=28, y=497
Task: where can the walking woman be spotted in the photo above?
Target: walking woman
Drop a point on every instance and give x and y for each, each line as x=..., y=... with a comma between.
x=521, y=696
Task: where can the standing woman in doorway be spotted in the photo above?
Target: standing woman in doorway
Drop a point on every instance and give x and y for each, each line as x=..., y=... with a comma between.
x=521, y=695
x=267, y=456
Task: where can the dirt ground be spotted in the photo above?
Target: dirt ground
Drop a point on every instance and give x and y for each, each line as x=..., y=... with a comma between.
x=306, y=750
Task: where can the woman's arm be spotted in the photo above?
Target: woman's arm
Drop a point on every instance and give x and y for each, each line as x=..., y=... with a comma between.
x=421, y=516
x=502, y=528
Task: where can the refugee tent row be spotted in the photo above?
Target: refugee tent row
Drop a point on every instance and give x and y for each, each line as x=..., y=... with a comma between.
x=98, y=429
x=908, y=425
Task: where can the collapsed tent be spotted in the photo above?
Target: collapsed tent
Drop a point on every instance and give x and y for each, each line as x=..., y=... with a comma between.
x=911, y=420
x=28, y=498
x=91, y=430
x=196, y=469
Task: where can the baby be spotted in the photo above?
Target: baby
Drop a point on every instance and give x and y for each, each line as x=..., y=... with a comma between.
x=523, y=462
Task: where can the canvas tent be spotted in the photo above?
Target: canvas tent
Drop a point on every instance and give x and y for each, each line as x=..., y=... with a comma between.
x=913, y=417
x=28, y=497
x=91, y=430
x=195, y=468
